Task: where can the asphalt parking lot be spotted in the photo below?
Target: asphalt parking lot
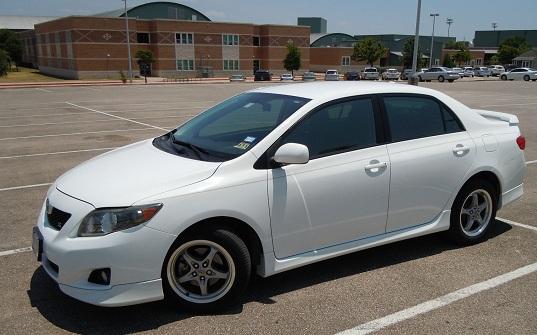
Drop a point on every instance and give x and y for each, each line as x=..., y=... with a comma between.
x=44, y=132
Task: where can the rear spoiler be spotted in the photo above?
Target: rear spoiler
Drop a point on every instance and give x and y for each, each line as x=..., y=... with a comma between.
x=509, y=118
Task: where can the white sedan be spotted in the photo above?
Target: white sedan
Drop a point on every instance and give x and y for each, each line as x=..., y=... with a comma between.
x=273, y=179
x=521, y=73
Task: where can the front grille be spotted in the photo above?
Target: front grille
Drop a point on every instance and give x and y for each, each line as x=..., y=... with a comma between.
x=57, y=218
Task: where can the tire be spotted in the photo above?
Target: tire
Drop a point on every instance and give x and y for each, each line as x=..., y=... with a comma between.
x=473, y=224
x=526, y=78
x=503, y=77
x=450, y=80
x=441, y=79
x=219, y=254
x=420, y=79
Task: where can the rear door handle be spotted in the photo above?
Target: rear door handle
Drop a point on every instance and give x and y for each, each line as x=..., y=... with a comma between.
x=375, y=167
x=461, y=150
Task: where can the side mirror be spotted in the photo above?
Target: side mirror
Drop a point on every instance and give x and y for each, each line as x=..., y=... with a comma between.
x=292, y=153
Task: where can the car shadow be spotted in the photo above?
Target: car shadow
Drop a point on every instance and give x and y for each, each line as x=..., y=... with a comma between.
x=74, y=316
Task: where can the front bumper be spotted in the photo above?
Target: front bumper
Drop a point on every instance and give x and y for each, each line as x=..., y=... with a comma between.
x=134, y=257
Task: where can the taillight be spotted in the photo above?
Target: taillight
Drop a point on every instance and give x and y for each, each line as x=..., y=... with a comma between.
x=521, y=141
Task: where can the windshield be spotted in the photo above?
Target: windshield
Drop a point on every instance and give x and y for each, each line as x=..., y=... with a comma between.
x=230, y=128
x=331, y=72
x=370, y=70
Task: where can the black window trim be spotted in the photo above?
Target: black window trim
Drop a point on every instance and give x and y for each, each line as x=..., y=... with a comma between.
x=265, y=161
x=442, y=105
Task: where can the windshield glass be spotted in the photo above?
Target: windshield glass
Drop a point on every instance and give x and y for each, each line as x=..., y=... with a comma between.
x=230, y=128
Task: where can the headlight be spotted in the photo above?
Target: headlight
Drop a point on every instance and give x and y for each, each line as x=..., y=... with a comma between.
x=105, y=221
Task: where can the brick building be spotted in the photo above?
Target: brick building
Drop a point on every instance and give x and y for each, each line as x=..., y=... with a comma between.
x=184, y=42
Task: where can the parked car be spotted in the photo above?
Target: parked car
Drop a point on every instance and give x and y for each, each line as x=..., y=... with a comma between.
x=331, y=75
x=370, y=73
x=309, y=76
x=405, y=74
x=237, y=78
x=262, y=75
x=496, y=70
x=391, y=74
x=438, y=73
x=215, y=201
x=459, y=70
x=287, y=77
x=521, y=73
x=352, y=75
x=468, y=71
x=481, y=71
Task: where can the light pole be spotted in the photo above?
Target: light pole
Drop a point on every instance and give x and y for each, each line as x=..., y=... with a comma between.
x=128, y=41
x=107, y=61
x=432, y=40
x=494, y=25
x=412, y=80
x=449, y=22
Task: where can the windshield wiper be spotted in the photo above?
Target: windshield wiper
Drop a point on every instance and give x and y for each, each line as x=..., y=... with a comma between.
x=194, y=148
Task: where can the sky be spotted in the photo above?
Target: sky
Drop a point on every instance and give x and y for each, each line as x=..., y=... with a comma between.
x=354, y=17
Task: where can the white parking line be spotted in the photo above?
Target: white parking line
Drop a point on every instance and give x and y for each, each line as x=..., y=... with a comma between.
x=73, y=134
x=23, y=187
x=111, y=111
x=518, y=224
x=531, y=162
x=43, y=90
x=117, y=117
x=92, y=121
x=57, y=153
x=425, y=307
x=15, y=251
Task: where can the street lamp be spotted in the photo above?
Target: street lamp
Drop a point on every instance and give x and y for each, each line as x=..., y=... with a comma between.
x=494, y=25
x=412, y=80
x=128, y=41
x=449, y=22
x=432, y=40
x=107, y=61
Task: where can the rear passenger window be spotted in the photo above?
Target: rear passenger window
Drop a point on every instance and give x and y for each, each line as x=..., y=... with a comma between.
x=415, y=117
x=336, y=128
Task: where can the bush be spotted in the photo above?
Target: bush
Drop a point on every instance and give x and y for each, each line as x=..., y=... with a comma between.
x=5, y=63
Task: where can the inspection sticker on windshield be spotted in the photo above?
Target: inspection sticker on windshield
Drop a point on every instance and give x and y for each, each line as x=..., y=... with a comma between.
x=242, y=145
x=249, y=139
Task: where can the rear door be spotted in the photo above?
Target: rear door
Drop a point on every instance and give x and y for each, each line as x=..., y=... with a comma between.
x=430, y=152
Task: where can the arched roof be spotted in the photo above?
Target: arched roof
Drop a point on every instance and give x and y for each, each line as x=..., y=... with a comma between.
x=159, y=10
x=332, y=40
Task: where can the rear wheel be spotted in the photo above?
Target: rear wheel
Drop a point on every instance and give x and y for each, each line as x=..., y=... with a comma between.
x=207, y=271
x=441, y=79
x=473, y=212
x=526, y=78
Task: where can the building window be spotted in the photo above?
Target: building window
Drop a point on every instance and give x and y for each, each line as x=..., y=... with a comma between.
x=184, y=38
x=142, y=38
x=185, y=65
x=231, y=65
x=255, y=41
x=436, y=61
x=478, y=61
x=230, y=39
x=346, y=61
x=526, y=63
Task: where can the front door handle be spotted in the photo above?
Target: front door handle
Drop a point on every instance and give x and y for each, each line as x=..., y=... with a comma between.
x=461, y=150
x=375, y=167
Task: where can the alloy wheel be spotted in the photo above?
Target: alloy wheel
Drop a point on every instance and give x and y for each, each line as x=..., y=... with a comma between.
x=476, y=212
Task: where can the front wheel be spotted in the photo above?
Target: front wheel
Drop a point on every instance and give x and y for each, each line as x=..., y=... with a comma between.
x=503, y=77
x=208, y=271
x=450, y=80
x=473, y=212
x=441, y=79
x=526, y=78
x=420, y=78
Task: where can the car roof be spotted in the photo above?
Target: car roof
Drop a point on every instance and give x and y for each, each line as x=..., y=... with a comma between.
x=333, y=90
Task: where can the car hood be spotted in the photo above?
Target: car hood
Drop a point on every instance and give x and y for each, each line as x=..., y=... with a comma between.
x=128, y=174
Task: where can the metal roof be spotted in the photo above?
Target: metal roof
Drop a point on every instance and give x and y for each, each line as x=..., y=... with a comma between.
x=15, y=22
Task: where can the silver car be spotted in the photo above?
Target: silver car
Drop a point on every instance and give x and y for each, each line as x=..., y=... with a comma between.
x=469, y=71
x=496, y=70
x=370, y=73
x=438, y=73
x=481, y=71
x=331, y=75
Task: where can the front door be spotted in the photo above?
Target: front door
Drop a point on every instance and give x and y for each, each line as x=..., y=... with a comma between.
x=341, y=194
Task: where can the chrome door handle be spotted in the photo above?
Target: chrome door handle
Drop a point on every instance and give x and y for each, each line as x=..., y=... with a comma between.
x=376, y=166
x=461, y=150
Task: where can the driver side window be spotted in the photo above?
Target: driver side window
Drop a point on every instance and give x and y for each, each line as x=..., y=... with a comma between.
x=336, y=128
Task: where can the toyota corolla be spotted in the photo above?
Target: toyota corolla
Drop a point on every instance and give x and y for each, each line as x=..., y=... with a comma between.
x=273, y=179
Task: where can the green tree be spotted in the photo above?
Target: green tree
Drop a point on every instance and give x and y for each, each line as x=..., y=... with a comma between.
x=144, y=58
x=12, y=44
x=494, y=60
x=408, y=52
x=368, y=49
x=448, y=61
x=462, y=54
x=4, y=63
x=292, y=59
x=511, y=48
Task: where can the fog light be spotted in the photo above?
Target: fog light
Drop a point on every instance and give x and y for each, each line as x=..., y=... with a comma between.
x=100, y=276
